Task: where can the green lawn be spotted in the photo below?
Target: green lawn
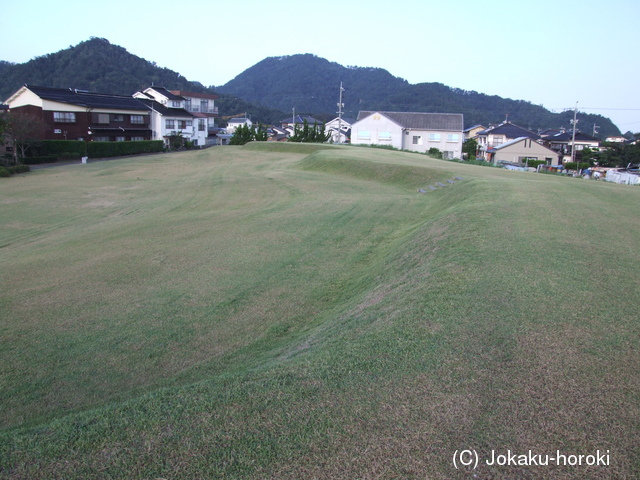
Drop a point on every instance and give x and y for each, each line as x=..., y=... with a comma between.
x=298, y=311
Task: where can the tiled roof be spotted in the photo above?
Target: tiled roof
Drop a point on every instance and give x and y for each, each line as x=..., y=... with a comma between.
x=509, y=130
x=87, y=99
x=422, y=121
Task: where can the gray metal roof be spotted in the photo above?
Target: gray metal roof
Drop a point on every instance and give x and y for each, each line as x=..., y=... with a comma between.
x=422, y=121
x=510, y=130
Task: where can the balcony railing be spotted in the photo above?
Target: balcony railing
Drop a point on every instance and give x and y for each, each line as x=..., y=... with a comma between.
x=197, y=109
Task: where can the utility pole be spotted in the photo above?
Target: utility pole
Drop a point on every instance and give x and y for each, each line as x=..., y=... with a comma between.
x=340, y=107
x=573, y=138
x=293, y=119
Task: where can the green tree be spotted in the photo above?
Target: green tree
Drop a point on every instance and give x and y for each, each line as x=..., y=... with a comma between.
x=260, y=134
x=242, y=135
x=307, y=134
x=470, y=148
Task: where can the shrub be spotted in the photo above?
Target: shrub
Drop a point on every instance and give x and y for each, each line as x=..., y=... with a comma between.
x=534, y=163
x=434, y=152
x=4, y=172
x=19, y=169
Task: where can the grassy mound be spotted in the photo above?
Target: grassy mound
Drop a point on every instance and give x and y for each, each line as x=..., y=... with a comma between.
x=253, y=313
x=348, y=162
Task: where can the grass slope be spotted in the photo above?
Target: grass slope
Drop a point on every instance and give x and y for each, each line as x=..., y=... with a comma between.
x=293, y=311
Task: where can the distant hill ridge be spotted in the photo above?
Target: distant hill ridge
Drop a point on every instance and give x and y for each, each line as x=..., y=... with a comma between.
x=277, y=84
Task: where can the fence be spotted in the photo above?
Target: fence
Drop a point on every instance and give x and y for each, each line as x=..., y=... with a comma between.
x=625, y=178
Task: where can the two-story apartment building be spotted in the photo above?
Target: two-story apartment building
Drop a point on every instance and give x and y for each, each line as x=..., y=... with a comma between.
x=169, y=116
x=411, y=131
x=70, y=114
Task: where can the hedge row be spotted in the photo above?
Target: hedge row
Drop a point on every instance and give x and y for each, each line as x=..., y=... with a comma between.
x=76, y=149
x=116, y=149
x=61, y=149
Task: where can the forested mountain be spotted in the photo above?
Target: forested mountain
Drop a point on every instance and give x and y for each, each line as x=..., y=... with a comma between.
x=310, y=84
x=277, y=84
x=99, y=66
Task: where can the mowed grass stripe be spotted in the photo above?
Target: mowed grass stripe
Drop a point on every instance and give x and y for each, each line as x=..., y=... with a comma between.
x=159, y=269
x=466, y=318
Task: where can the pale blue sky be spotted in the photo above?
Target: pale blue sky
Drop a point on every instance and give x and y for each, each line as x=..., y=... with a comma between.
x=551, y=53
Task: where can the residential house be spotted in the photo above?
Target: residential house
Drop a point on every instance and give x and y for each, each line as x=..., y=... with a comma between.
x=340, y=129
x=218, y=136
x=410, y=131
x=71, y=114
x=290, y=123
x=472, y=132
x=616, y=139
x=495, y=136
x=169, y=117
x=237, y=122
x=562, y=143
x=277, y=134
x=202, y=106
x=521, y=149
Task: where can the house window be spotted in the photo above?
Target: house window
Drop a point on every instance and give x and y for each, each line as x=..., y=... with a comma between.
x=170, y=124
x=103, y=118
x=64, y=117
x=364, y=134
x=120, y=139
x=187, y=104
x=384, y=136
x=100, y=139
x=417, y=140
x=498, y=140
x=453, y=137
x=182, y=124
x=137, y=139
x=201, y=125
x=204, y=105
x=118, y=118
x=137, y=119
x=434, y=137
x=175, y=103
x=448, y=155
